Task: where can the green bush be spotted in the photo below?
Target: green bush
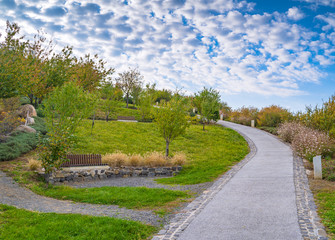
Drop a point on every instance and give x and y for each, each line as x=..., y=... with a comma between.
x=17, y=145
x=328, y=169
x=39, y=125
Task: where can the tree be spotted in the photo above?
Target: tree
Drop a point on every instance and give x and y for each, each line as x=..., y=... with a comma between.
x=171, y=120
x=207, y=102
x=109, y=97
x=146, y=102
x=64, y=110
x=128, y=81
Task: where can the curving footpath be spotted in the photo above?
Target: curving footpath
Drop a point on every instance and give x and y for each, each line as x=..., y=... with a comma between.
x=261, y=199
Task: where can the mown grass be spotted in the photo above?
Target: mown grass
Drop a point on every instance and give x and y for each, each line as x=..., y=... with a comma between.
x=210, y=153
x=326, y=209
x=129, y=197
x=22, y=224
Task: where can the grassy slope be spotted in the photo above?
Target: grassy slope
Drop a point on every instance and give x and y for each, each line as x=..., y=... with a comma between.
x=210, y=152
x=22, y=224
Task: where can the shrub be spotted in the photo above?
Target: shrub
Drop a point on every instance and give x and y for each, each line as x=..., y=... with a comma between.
x=155, y=159
x=34, y=164
x=117, y=159
x=39, y=125
x=178, y=159
x=288, y=130
x=135, y=160
x=9, y=121
x=306, y=142
x=272, y=116
x=17, y=145
x=328, y=169
x=243, y=115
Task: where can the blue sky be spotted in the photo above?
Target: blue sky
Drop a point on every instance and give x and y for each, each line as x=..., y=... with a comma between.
x=256, y=53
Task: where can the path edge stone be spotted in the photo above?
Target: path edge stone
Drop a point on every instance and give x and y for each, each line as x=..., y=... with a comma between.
x=182, y=219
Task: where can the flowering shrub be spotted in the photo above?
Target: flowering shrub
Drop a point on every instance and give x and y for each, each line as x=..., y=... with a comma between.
x=272, y=116
x=306, y=142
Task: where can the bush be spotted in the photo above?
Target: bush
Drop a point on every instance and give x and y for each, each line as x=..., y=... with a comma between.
x=39, y=125
x=243, y=115
x=9, y=121
x=328, y=169
x=306, y=142
x=17, y=145
x=272, y=116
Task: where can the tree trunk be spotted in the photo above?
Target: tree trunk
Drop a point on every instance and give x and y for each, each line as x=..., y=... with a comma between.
x=107, y=117
x=92, y=123
x=127, y=96
x=203, y=126
x=167, y=148
x=31, y=98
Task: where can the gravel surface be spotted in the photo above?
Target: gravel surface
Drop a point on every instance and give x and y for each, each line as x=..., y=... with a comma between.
x=15, y=195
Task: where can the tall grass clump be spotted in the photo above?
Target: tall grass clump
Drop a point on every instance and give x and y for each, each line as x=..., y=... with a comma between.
x=34, y=164
x=155, y=159
x=117, y=159
x=306, y=142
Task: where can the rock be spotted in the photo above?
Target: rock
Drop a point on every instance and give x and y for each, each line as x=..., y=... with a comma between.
x=23, y=128
x=23, y=110
x=30, y=121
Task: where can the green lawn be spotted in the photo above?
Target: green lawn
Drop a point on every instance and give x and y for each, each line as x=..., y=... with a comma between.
x=22, y=224
x=129, y=197
x=210, y=153
x=326, y=202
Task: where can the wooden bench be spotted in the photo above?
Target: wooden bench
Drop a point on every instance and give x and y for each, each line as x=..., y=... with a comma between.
x=126, y=118
x=76, y=160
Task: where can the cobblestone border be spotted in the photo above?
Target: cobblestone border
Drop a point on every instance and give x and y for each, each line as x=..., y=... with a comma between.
x=186, y=215
x=309, y=222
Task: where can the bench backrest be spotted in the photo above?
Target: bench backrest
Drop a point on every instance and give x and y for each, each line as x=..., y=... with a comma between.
x=83, y=160
x=126, y=118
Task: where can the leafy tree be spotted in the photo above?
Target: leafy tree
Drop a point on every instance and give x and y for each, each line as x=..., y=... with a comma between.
x=207, y=102
x=90, y=73
x=171, y=120
x=146, y=102
x=128, y=81
x=64, y=109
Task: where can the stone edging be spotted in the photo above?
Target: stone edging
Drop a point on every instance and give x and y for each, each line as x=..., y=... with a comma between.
x=181, y=220
x=309, y=222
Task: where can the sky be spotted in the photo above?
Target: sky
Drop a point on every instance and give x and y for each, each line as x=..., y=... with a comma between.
x=254, y=52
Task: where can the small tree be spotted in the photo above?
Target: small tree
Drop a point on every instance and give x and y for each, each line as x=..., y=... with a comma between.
x=128, y=81
x=109, y=97
x=171, y=120
x=208, y=104
x=64, y=109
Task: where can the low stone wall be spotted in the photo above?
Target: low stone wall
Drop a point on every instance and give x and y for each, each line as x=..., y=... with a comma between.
x=78, y=174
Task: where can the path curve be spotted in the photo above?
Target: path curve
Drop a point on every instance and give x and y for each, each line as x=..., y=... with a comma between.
x=13, y=194
x=258, y=202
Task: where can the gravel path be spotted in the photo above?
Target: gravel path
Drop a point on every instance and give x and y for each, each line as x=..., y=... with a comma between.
x=14, y=195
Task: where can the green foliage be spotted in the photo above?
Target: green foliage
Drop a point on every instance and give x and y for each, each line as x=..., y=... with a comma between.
x=17, y=145
x=9, y=121
x=208, y=104
x=326, y=202
x=109, y=99
x=210, y=153
x=272, y=116
x=146, y=102
x=64, y=110
x=23, y=224
x=129, y=197
x=321, y=118
x=243, y=115
x=328, y=169
x=171, y=120
x=39, y=125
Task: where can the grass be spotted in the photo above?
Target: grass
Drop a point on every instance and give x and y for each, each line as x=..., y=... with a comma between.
x=22, y=224
x=129, y=197
x=326, y=202
x=210, y=153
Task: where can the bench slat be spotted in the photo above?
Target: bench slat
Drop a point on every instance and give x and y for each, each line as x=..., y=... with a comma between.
x=83, y=160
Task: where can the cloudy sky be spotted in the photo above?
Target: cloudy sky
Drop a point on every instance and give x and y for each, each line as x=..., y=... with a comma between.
x=255, y=52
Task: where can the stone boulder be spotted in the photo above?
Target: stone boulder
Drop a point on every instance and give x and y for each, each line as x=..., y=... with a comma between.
x=23, y=110
x=23, y=128
x=30, y=121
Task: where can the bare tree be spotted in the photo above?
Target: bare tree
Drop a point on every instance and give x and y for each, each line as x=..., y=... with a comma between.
x=129, y=80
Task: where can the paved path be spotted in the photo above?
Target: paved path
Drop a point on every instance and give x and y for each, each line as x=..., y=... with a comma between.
x=12, y=194
x=259, y=202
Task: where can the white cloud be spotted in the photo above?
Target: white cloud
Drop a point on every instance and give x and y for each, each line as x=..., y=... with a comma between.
x=295, y=13
x=218, y=43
